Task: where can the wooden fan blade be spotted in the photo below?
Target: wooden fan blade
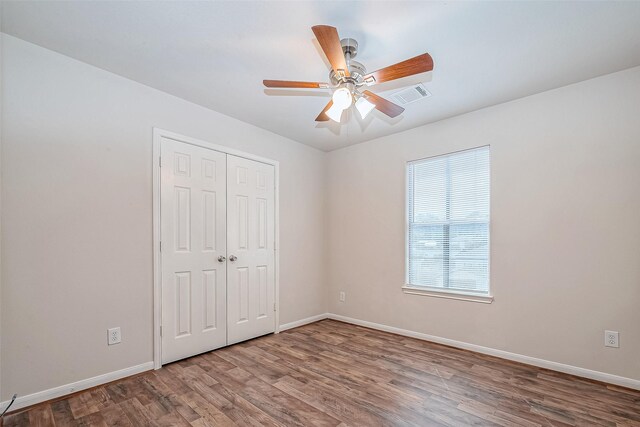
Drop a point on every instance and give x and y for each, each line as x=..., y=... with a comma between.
x=387, y=107
x=322, y=117
x=330, y=43
x=294, y=84
x=419, y=64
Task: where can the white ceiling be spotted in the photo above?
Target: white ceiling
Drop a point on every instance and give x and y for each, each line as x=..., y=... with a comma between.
x=216, y=54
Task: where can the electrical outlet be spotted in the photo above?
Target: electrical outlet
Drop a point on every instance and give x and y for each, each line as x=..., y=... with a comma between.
x=113, y=336
x=611, y=339
x=343, y=296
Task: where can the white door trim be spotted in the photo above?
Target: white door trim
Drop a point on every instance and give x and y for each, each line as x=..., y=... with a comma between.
x=158, y=134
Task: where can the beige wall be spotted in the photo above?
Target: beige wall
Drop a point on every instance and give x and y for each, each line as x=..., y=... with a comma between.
x=77, y=237
x=77, y=189
x=565, y=226
x=1, y=84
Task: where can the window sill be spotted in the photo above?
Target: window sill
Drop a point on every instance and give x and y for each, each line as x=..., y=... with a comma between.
x=427, y=292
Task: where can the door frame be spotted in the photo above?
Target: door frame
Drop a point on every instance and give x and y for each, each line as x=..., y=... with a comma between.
x=158, y=134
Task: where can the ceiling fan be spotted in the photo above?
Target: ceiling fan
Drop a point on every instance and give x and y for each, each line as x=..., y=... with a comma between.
x=347, y=77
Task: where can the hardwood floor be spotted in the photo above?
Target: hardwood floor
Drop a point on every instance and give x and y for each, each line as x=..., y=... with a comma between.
x=331, y=373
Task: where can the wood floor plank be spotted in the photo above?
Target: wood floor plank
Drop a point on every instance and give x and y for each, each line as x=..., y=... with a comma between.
x=334, y=374
x=209, y=414
x=115, y=416
x=137, y=413
x=41, y=416
x=62, y=414
x=93, y=419
x=337, y=404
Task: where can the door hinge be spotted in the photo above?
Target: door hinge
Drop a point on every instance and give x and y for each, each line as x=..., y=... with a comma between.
x=160, y=330
x=160, y=245
x=274, y=306
x=160, y=161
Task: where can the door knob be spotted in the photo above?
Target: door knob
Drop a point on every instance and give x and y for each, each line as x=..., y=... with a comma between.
x=221, y=259
x=232, y=258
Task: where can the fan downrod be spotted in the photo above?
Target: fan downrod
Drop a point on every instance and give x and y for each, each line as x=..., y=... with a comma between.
x=349, y=47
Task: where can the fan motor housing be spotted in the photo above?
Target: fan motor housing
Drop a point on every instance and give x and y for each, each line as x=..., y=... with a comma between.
x=357, y=71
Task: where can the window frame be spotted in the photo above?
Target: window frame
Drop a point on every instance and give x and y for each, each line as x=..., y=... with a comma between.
x=433, y=291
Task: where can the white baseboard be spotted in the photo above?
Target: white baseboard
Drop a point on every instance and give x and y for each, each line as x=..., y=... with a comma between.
x=547, y=364
x=303, y=322
x=52, y=393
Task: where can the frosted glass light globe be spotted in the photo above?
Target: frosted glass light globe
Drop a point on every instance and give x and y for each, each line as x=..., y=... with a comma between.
x=342, y=98
x=364, y=107
x=334, y=113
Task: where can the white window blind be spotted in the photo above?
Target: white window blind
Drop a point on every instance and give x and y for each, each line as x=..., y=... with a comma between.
x=448, y=229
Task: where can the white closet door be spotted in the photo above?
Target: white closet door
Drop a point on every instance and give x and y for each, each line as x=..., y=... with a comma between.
x=250, y=246
x=193, y=234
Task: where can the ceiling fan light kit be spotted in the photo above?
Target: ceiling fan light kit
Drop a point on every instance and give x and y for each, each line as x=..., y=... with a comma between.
x=364, y=107
x=342, y=97
x=348, y=76
x=335, y=113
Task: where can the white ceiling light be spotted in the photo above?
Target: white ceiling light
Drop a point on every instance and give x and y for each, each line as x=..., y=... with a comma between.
x=335, y=113
x=364, y=107
x=342, y=100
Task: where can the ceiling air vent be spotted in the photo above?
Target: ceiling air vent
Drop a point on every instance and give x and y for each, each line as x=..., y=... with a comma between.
x=411, y=94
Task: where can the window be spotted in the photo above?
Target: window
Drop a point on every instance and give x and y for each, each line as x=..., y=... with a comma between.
x=448, y=223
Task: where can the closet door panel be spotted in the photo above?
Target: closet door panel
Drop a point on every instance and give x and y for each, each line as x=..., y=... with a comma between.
x=251, y=248
x=193, y=236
